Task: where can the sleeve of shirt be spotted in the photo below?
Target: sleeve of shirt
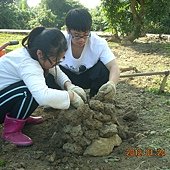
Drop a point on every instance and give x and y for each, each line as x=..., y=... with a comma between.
x=100, y=48
x=59, y=76
x=106, y=55
x=33, y=76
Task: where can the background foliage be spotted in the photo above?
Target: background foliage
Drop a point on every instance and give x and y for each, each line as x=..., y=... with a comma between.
x=132, y=18
x=124, y=18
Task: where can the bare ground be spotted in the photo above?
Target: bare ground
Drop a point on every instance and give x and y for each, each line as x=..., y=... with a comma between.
x=140, y=110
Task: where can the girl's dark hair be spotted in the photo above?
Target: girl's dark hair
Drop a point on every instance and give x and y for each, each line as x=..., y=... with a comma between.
x=51, y=41
x=78, y=19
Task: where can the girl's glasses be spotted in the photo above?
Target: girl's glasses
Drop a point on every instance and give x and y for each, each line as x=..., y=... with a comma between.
x=54, y=62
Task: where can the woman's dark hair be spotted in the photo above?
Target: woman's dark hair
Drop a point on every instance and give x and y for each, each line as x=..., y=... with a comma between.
x=78, y=19
x=51, y=41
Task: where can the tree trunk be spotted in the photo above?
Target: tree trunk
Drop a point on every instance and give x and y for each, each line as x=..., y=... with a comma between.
x=137, y=8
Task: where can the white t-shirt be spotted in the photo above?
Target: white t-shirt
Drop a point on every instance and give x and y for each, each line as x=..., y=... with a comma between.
x=95, y=49
x=18, y=65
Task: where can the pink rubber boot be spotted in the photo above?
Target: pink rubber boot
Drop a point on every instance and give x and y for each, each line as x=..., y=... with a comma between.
x=12, y=132
x=34, y=120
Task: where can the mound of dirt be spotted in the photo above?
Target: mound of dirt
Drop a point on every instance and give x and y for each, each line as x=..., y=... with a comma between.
x=90, y=130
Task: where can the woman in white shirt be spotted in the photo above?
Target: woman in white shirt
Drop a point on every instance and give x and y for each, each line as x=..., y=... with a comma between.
x=23, y=87
x=89, y=62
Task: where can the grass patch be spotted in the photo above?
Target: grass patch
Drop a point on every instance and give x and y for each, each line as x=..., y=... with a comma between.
x=5, y=37
x=2, y=163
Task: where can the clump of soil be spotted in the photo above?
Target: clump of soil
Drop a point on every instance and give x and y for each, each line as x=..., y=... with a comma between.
x=81, y=131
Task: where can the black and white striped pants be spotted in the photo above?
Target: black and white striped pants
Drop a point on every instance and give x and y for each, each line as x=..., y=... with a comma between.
x=16, y=100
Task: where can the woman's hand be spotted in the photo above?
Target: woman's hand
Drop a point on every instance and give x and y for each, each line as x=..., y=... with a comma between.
x=79, y=91
x=75, y=100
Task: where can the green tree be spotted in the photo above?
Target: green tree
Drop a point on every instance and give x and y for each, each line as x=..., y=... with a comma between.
x=15, y=14
x=157, y=19
x=125, y=16
x=42, y=17
x=60, y=8
x=130, y=18
x=23, y=4
x=7, y=1
x=13, y=17
x=99, y=19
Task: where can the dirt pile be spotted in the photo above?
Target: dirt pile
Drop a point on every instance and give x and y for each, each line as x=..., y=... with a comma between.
x=92, y=129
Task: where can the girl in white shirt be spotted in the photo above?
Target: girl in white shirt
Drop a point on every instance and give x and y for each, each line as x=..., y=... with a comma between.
x=23, y=87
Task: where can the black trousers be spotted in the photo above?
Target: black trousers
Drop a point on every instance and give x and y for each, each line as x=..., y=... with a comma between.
x=92, y=78
x=17, y=100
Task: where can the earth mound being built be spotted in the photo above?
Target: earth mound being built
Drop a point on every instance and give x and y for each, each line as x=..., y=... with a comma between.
x=92, y=129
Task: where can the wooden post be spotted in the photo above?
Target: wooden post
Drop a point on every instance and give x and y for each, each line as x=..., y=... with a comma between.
x=163, y=83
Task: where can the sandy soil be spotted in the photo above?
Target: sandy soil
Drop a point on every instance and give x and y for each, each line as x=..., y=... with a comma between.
x=139, y=114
